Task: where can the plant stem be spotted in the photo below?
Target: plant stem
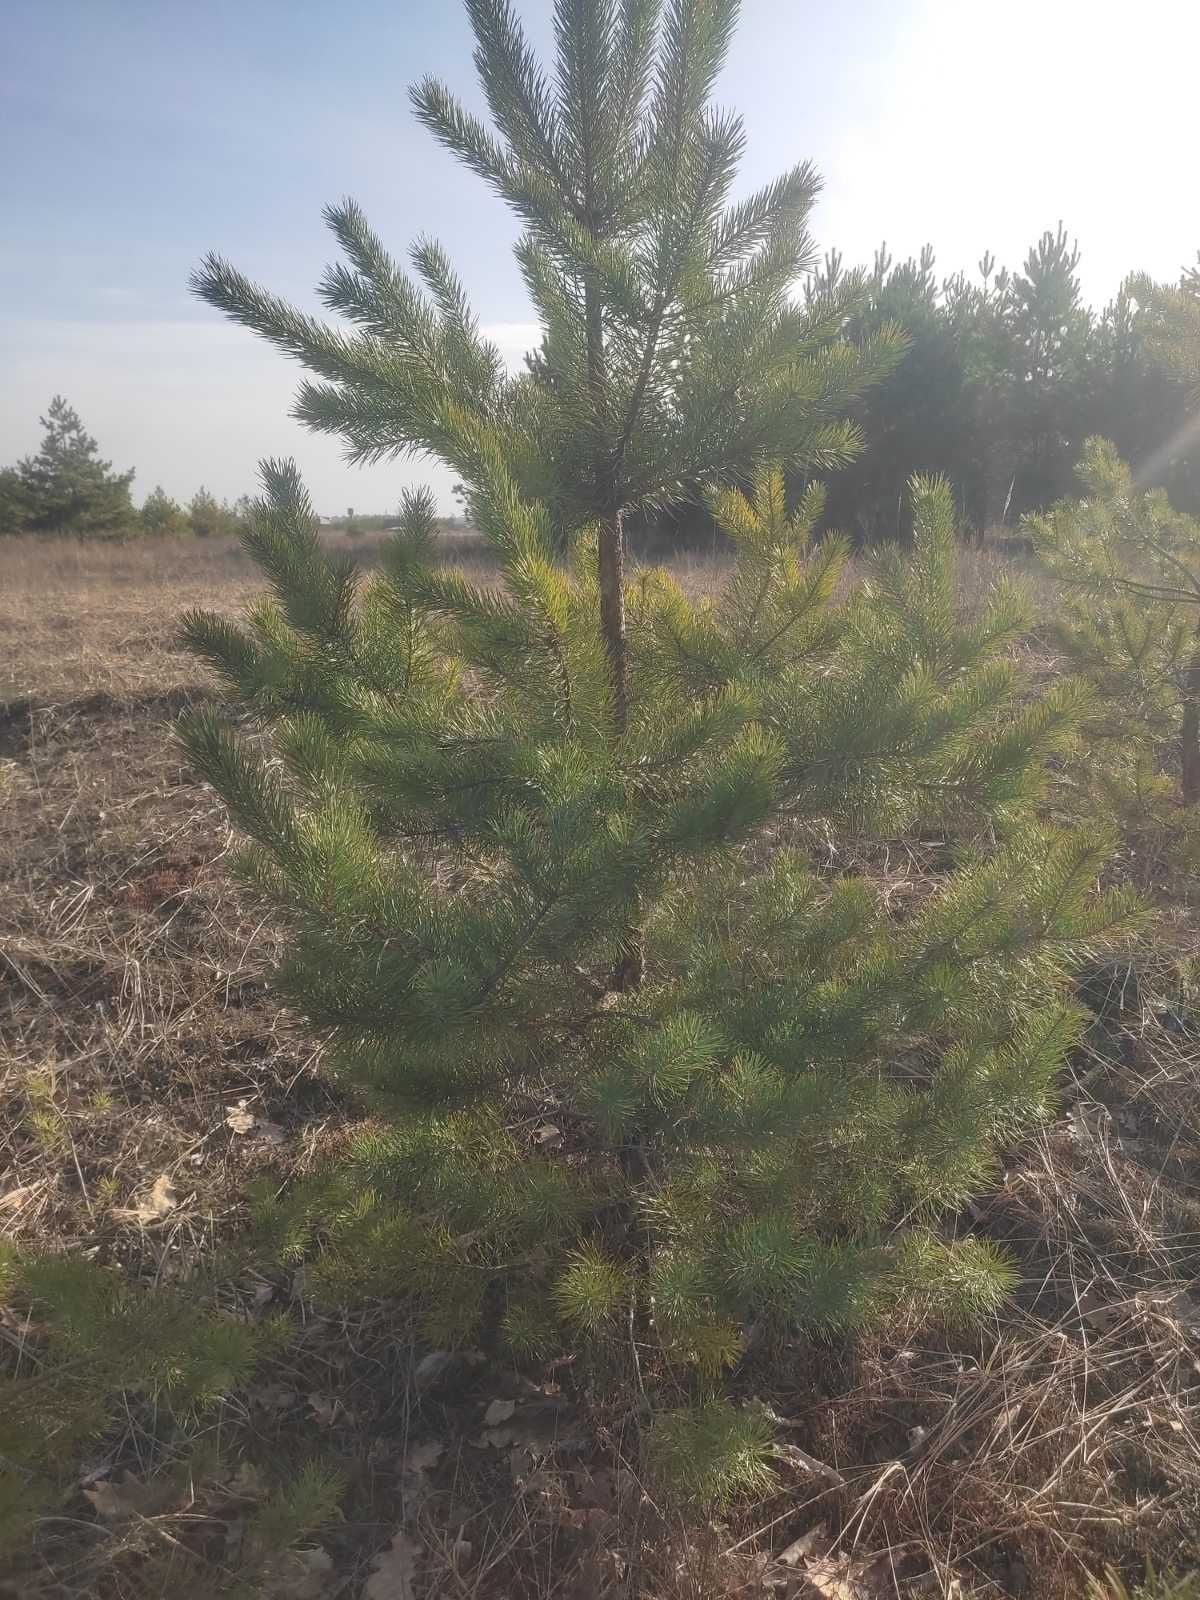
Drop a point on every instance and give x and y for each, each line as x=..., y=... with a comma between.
x=1190, y=728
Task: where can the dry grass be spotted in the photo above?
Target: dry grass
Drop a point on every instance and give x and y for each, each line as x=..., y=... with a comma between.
x=132, y=1017
x=96, y=617
x=90, y=618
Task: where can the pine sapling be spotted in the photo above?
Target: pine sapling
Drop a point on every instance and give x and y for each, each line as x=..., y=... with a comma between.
x=763, y=1133
x=1130, y=565
x=645, y=1076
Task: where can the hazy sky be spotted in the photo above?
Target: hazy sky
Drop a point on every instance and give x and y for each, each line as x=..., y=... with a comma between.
x=137, y=134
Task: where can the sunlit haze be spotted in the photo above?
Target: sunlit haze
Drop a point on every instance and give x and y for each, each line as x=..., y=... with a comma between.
x=138, y=134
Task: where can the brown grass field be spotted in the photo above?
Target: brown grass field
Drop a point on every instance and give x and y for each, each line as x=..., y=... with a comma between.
x=136, y=1041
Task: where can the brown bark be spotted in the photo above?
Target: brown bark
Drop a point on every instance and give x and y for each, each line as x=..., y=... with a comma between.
x=1189, y=732
x=612, y=613
x=612, y=534
x=1190, y=739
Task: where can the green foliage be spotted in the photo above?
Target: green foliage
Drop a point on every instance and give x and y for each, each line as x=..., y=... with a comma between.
x=1005, y=377
x=1130, y=565
x=311, y=1497
x=713, y=1454
x=210, y=518
x=98, y=1345
x=539, y=849
x=667, y=312
x=162, y=517
x=1174, y=326
x=592, y=1290
x=769, y=1125
x=1155, y=1586
x=66, y=488
x=13, y=510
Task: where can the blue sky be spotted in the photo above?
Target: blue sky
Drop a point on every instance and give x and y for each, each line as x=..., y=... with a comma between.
x=137, y=134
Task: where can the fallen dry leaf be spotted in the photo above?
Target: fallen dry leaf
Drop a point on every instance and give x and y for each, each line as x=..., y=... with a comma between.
x=497, y=1438
x=239, y=1119
x=833, y=1578
x=431, y=1367
x=117, y=1502
x=592, y=1518
x=324, y=1409
x=814, y=1542
x=300, y=1575
x=414, y=1474
x=247, y=1482
x=273, y=1396
x=392, y=1571
x=425, y=1456
x=112, y=1501
x=495, y=1432
x=548, y=1133
x=161, y=1199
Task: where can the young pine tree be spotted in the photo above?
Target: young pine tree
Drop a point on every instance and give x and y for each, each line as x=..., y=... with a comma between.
x=13, y=510
x=1131, y=565
x=98, y=1354
x=673, y=351
x=94, y=1349
x=210, y=518
x=543, y=849
x=161, y=516
x=67, y=489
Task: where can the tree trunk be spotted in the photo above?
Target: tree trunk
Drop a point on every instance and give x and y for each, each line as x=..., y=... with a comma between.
x=612, y=612
x=1189, y=730
x=631, y=964
x=1191, y=749
x=612, y=532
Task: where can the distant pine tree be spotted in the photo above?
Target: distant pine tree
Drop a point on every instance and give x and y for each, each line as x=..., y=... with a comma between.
x=13, y=510
x=210, y=518
x=161, y=516
x=1175, y=337
x=647, y=1076
x=67, y=488
x=1130, y=565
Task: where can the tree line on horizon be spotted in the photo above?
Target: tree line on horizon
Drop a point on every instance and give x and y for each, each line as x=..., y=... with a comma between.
x=1004, y=378
x=67, y=490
